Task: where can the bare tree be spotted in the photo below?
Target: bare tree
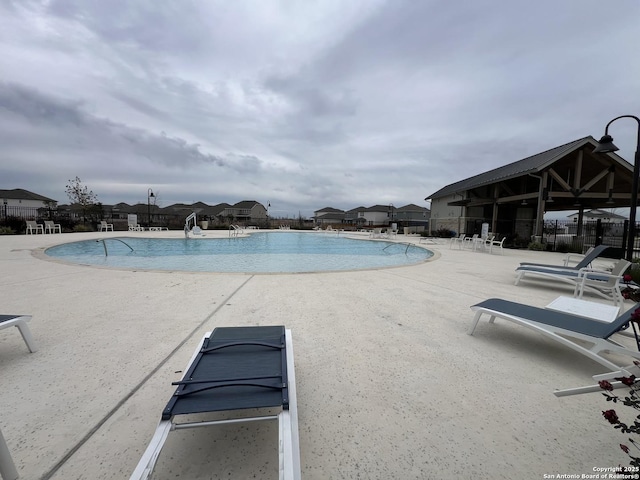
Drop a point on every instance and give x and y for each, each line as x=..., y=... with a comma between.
x=82, y=196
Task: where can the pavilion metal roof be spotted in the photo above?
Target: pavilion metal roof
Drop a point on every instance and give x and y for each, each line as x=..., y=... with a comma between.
x=533, y=164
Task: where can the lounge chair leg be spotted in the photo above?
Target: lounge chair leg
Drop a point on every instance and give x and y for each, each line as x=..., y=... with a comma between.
x=27, y=337
x=7, y=467
x=474, y=323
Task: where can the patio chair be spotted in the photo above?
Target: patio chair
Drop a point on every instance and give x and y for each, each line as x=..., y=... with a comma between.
x=470, y=241
x=587, y=259
x=603, y=283
x=570, y=330
x=33, y=226
x=457, y=241
x=236, y=368
x=50, y=227
x=105, y=227
x=20, y=322
x=497, y=244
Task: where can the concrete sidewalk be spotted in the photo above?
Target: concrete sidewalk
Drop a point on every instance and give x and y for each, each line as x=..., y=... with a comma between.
x=389, y=384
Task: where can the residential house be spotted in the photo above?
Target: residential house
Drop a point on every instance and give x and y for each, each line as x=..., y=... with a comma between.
x=25, y=204
x=328, y=216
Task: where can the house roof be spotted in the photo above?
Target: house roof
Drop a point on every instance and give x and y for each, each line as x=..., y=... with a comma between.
x=533, y=164
x=246, y=204
x=597, y=213
x=412, y=208
x=22, y=194
x=329, y=209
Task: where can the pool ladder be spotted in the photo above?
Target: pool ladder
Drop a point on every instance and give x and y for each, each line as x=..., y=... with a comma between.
x=104, y=244
x=234, y=230
x=408, y=244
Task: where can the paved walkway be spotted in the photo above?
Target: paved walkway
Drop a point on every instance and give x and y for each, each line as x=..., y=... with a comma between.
x=389, y=384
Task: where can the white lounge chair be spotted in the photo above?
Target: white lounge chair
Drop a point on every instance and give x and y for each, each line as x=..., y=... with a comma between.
x=34, y=227
x=20, y=322
x=603, y=283
x=105, y=227
x=567, y=329
x=236, y=368
x=50, y=227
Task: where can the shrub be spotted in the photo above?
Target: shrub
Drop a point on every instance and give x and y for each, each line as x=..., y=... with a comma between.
x=537, y=246
x=632, y=399
x=444, y=233
x=82, y=228
x=7, y=231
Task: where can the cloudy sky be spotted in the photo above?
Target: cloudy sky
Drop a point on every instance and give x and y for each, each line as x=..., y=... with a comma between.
x=303, y=104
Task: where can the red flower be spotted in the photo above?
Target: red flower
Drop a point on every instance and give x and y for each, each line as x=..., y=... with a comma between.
x=605, y=385
x=635, y=316
x=628, y=381
x=624, y=448
x=627, y=278
x=611, y=416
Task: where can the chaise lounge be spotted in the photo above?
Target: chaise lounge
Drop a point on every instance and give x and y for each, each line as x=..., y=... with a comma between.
x=603, y=283
x=236, y=368
x=587, y=259
x=568, y=329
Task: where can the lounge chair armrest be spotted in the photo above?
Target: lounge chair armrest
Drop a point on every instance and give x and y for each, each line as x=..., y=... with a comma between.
x=572, y=257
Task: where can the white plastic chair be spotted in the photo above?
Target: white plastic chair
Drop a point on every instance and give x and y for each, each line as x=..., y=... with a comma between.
x=105, y=227
x=34, y=226
x=50, y=227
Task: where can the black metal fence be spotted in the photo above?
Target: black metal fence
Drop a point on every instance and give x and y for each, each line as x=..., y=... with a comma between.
x=568, y=236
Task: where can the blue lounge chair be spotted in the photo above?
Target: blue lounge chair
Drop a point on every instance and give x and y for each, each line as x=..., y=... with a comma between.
x=236, y=368
x=570, y=330
x=602, y=283
x=594, y=253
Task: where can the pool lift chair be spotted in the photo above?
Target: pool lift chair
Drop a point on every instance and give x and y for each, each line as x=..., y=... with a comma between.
x=195, y=230
x=235, y=368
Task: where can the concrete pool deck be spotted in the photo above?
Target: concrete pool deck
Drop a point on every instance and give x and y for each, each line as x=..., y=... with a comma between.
x=389, y=383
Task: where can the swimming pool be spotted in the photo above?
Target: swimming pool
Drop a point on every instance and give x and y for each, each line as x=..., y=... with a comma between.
x=272, y=252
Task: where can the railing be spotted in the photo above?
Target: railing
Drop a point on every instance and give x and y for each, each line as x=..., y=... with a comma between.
x=104, y=244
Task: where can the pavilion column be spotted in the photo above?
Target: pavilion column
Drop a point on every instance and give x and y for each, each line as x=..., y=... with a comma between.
x=537, y=230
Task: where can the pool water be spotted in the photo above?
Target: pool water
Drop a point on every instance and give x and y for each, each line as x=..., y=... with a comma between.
x=272, y=252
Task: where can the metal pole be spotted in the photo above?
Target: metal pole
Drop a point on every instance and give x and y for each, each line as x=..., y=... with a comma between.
x=634, y=201
x=634, y=189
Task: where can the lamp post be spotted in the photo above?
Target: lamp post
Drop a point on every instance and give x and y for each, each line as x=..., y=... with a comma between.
x=150, y=195
x=390, y=214
x=606, y=146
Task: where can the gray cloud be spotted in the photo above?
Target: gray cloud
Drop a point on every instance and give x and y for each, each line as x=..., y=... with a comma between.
x=301, y=104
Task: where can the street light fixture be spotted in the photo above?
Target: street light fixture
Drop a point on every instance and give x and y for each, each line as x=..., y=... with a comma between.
x=606, y=146
x=150, y=195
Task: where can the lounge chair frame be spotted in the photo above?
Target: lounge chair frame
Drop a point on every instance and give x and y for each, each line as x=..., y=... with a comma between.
x=288, y=449
x=20, y=322
x=602, y=283
x=563, y=328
